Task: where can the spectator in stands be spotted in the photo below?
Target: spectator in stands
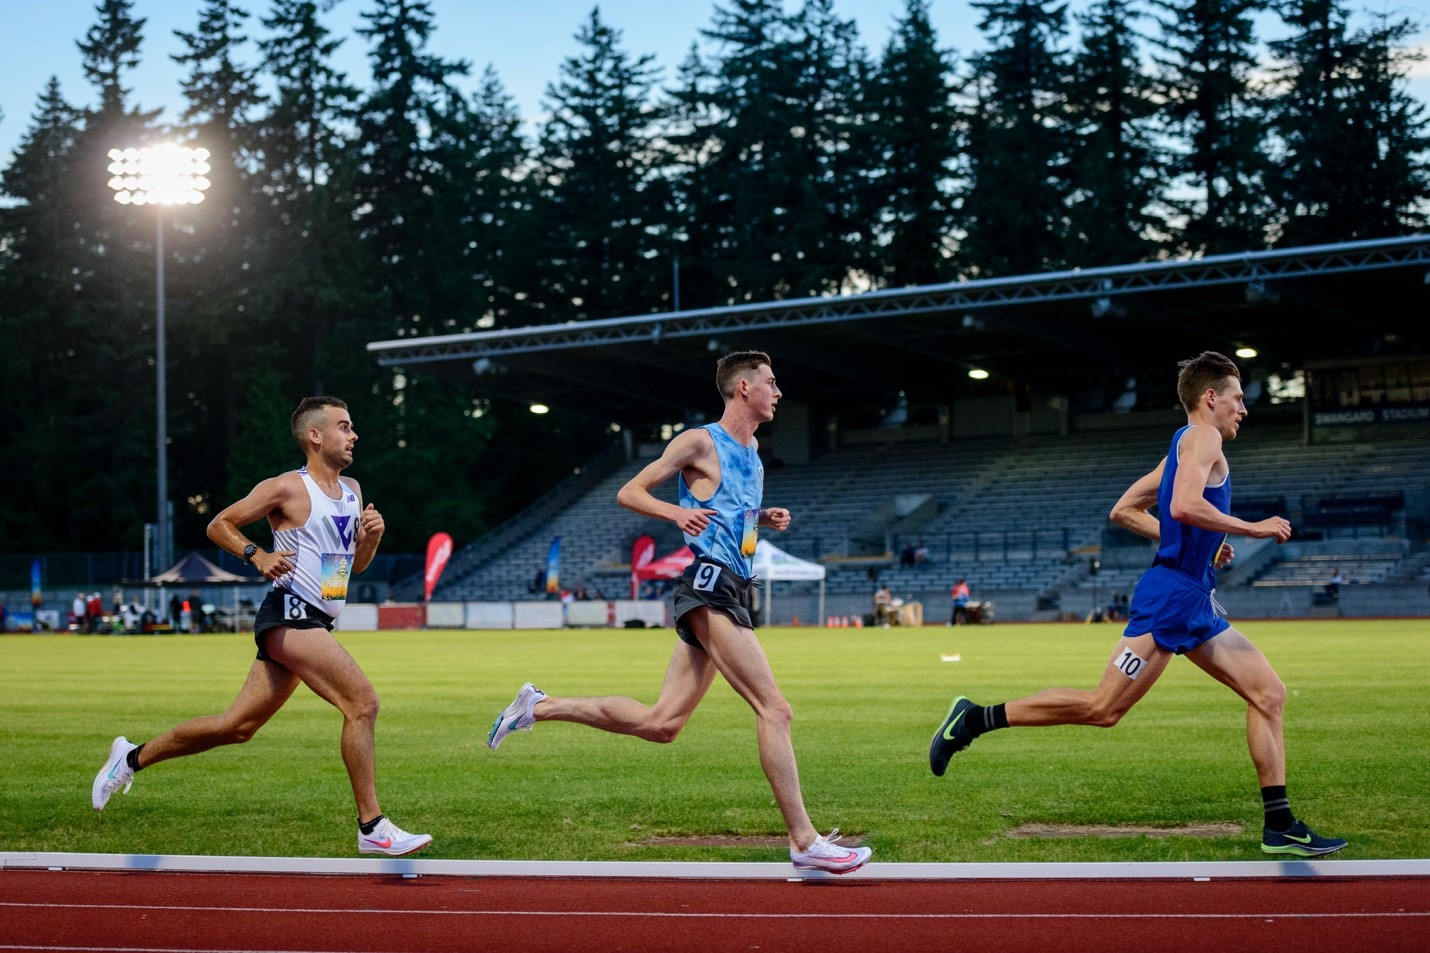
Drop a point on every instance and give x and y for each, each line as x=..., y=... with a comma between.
x=959, y=596
x=322, y=534
x=1333, y=585
x=883, y=606
x=906, y=556
x=719, y=487
x=921, y=553
x=1172, y=610
x=1115, y=604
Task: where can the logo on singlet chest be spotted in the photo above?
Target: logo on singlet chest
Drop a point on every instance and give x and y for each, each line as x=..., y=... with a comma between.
x=344, y=533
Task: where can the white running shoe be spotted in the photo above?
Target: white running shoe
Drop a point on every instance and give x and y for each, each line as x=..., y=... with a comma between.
x=517, y=716
x=387, y=838
x=116, y=773
x=824, y=854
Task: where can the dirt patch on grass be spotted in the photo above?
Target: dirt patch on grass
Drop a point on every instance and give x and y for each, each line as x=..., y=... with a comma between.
x=1124, y=830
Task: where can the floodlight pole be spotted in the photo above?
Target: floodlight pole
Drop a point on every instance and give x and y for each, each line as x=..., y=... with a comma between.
x=160, y=176
x=161, y=394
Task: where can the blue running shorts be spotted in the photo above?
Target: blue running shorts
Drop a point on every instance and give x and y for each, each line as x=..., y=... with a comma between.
x=1175, y=609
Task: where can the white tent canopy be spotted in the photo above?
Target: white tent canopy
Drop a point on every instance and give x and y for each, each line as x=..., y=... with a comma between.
x=772, y=564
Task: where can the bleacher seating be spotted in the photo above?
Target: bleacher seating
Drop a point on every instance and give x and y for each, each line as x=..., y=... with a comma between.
x=1018, y=513
x=1371, y=511
x=1316, y=569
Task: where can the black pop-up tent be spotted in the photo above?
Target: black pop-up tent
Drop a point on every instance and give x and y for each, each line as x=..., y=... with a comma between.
x=194, y=570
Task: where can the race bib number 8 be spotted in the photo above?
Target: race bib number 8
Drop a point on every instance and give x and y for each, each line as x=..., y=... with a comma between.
x=294, y=608
x=706, y=576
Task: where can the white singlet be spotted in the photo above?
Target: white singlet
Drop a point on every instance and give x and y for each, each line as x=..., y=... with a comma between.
x=324, y=546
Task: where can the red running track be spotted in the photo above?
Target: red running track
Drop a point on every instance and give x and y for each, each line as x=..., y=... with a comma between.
x=152, y=912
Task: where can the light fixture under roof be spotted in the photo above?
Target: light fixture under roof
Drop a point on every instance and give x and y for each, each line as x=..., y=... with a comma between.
x=978, y=374
x=1246, y=352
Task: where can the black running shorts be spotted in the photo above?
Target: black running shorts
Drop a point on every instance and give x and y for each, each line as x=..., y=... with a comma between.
x=283, y=610
x=708, y=583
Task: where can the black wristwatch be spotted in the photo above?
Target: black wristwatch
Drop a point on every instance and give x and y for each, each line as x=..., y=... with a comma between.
x=248, y=552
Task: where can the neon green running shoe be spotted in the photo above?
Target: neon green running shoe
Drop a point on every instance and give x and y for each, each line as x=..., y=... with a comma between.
x=1299, y=841
x=952, y=736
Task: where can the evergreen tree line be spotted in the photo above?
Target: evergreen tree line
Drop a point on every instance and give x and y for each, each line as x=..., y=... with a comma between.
x=781, y=159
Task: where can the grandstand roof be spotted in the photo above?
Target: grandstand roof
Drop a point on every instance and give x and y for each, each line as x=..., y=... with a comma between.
x=1077, y=334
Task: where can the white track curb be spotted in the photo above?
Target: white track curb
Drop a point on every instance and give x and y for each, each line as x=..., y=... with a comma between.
x=413, y=866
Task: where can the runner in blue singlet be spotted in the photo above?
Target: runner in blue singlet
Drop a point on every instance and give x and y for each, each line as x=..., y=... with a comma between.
x=719, y=512
x=1173, y=611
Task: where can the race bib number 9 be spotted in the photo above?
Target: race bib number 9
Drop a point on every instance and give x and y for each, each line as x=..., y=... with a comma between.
x=336, y=568
x=706, y=576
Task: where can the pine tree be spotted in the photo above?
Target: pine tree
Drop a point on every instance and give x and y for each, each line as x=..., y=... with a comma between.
x=408, y=201
x=1014, y=216
x=605, y=199
x=1206, y=54
x=110, y=49
x=1352, y=142
x=770, y=193
x=1115, y=172
x=732, y=125
x=504, y=248
x=918, y=135
x=307, y=248
x=215, y=349
x=41, y=252
x=832, y=236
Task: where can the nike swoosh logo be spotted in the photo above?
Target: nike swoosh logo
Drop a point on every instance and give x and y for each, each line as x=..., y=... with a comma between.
x=384, y=844
x=948, y=732
x=1299, y=840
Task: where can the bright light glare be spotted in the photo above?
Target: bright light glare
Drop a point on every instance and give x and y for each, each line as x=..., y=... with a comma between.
x=539, y=409
x=978, y=374
x=1246, y=352
x=159, y=175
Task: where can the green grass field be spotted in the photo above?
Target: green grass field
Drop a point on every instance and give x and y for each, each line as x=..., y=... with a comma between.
x=866, y=703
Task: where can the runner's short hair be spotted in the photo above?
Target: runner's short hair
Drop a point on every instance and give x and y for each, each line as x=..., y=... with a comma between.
x=1207, y=371
x=736, y=365
x=310, y=413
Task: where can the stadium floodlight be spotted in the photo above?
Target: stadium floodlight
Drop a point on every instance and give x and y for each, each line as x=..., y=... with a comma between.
x=978, y=374
x=160, y=175
x=1246, y=352
x=539, y=409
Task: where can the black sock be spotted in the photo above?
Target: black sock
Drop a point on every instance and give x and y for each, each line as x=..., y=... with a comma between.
x=132, y=758
x=981, y=719
x=1277, y=807
x=369, y=826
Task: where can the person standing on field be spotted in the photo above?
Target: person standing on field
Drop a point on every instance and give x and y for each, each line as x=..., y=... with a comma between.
x=720, y=487
x=1174, y=610
x=322, y=534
